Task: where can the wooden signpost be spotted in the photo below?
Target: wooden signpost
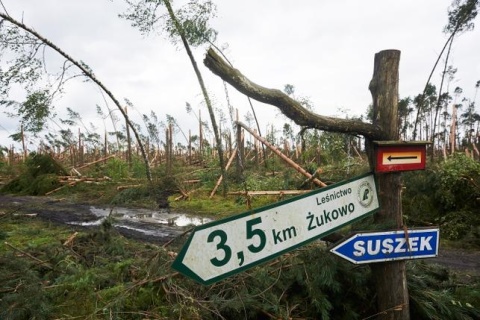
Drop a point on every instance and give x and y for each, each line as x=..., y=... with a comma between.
x=387, y=161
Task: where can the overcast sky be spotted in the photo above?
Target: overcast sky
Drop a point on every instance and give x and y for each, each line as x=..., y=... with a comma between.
x=323, y=48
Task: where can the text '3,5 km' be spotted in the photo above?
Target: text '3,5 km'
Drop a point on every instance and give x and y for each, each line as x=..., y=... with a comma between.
x=222, y=248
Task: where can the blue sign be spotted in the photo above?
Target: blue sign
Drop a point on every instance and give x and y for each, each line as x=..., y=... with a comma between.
x=388, y=246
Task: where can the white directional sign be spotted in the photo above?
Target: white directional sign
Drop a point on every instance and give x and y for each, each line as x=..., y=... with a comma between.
x=222, y=248
x=389, y=245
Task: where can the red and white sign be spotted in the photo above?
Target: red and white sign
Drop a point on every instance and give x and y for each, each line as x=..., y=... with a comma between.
x=407, y=157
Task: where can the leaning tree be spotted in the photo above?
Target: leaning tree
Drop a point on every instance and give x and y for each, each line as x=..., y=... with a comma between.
x=27, y=44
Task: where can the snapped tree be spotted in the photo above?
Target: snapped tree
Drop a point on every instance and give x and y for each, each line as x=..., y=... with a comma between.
x=460, y=19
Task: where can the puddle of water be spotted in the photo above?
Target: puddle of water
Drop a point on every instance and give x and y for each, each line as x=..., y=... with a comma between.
x=144, y=215
x=88, y=223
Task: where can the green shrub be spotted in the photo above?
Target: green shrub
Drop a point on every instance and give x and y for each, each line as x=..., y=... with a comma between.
x=38, y=176
x=131, y=196
x=435, y=295
x=21, y=295
x=459, y=183
x=447, y=195
x=116, y=169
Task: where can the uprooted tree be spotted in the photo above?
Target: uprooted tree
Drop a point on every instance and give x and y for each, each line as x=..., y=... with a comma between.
x=391, y=285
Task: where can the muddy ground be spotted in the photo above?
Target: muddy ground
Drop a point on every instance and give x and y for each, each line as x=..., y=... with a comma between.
x=79, y=216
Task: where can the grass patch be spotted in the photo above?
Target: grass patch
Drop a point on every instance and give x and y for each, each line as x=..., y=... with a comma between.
x=102, y=275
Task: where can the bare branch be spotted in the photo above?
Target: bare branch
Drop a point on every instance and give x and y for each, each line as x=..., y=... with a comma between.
x=289, y=107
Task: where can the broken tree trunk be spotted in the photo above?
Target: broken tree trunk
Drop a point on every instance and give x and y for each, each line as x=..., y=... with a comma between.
x=284, y=157
x=94, y=162
x=288, y=106
x=226, y=169
x=390, y=277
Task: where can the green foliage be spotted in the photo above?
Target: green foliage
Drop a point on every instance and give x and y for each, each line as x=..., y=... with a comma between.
x=418, y=196
x=333, y=146
x=42, y=184
x=116, y=169
x=39, y=175
x=131, y=196
x=38, y=164
x=138, y=168
x=308, y=284
x=102, y=275
x=21, y=296
x=26, y=68
x=35, y=111
x=434, y=295
x=193, y=17
x=459, y=183
x=461, y=15
x=446, y=195
x=261, y=182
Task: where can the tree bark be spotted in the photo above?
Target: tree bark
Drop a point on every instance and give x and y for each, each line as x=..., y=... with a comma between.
x=390, y=277
x=288, y=106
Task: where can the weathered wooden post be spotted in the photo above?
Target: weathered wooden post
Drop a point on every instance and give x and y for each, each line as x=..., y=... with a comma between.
x=391, y=284
x=390, y=277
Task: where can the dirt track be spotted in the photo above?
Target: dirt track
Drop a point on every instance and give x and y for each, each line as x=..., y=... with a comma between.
x=81, y=216
x=65, y=212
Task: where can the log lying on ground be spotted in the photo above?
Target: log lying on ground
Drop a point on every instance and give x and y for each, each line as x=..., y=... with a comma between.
x=269, y=193
x=120, y=188
x=96, y=161
x=70, y=181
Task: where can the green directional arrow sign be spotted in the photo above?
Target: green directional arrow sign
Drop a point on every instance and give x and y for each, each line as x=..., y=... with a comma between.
x=226, y=247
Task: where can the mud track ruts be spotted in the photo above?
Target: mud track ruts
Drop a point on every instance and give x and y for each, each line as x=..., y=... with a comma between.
x=70, y=213
x=73, y=214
